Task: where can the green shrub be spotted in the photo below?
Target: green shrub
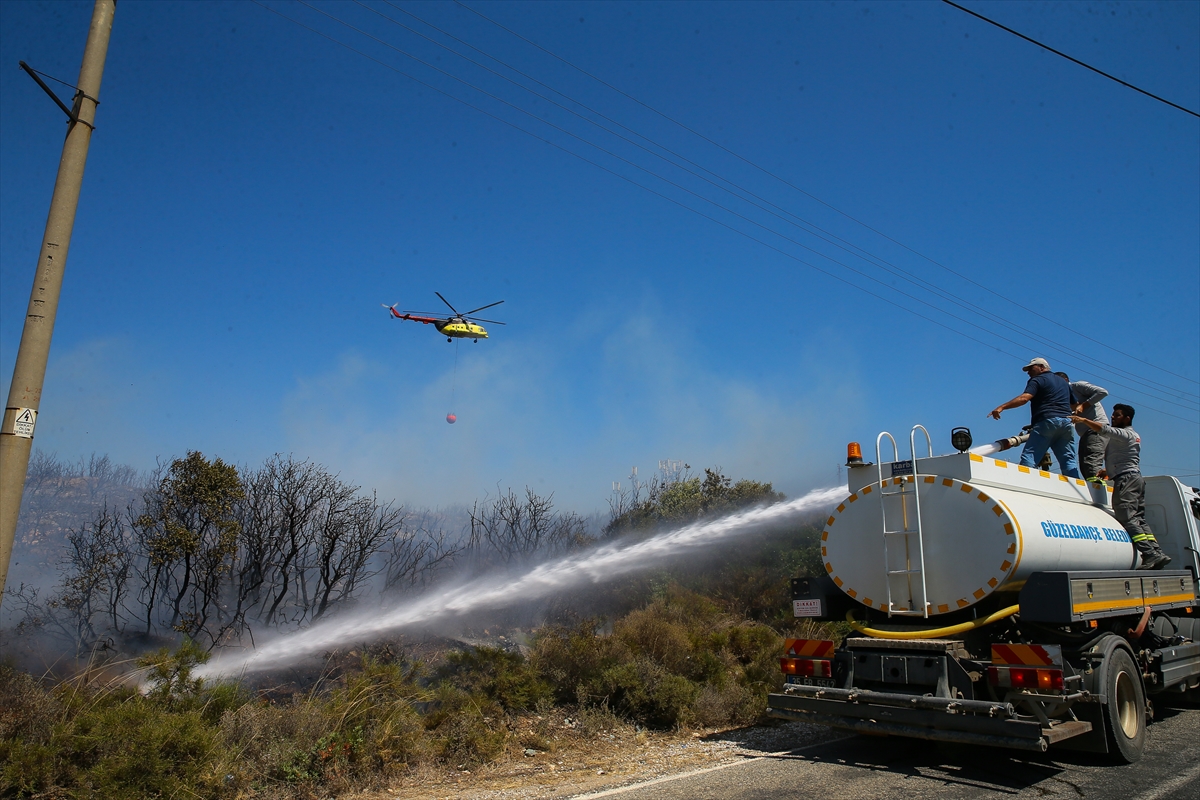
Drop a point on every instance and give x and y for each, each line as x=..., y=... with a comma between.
x=369, y=725
x=119, y=744
x=658, y=637
x=169, y=674
x=27, y=711
x=380, y=701
x=333, y=756
x=573, y=659
x=274, y=742
x=133, y=747
x=685, y=498
x=650, y=693
x=505, y=677
x=27, y=765
x=728, y=705
x=678, y=661
x=467, y=727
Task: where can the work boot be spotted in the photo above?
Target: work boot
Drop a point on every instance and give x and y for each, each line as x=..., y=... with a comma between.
x=1156, y=559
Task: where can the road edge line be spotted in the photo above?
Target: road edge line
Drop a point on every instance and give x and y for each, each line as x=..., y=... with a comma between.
x=701, y=771
x=1170, y=786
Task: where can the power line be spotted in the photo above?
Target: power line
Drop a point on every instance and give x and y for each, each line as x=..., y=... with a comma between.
x=790, y=185
x=706, y=216
x=682, y=188
x=817, y=231
x=1069, y=58
x=657, y=193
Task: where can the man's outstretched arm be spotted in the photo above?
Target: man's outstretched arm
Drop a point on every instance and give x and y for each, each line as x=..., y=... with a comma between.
x=1016, y=402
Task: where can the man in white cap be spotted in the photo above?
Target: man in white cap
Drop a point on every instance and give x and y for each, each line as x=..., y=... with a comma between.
x=1049, y=398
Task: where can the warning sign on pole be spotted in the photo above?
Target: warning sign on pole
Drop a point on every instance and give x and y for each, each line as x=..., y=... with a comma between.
x=23, y=424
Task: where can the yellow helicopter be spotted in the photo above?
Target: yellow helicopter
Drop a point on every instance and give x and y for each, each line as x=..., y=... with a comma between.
x=459, y=326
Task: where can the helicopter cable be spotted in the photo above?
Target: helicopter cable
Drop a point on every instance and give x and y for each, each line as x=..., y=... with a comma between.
x=454, y=378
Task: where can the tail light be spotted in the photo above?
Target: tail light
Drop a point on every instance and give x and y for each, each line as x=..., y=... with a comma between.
x=807, y=667
x=1026, y=678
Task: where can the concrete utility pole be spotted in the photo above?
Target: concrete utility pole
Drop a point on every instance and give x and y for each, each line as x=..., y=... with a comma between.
x=25, y=394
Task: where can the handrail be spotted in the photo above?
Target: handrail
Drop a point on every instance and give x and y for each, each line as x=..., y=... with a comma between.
x=879, y=453
x=912, y=443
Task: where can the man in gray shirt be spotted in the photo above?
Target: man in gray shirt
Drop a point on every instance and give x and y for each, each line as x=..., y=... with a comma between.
x=1123, y=448
x=1085, y=400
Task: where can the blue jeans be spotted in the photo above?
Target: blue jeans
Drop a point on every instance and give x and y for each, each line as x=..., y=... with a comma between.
x=1057, y=434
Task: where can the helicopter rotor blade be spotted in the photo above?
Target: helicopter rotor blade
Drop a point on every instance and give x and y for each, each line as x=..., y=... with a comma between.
x=481, y=308
x=447, y=302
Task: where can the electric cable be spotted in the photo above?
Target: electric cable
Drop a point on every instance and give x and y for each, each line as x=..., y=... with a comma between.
x=795, y=220
x=1069, y=58
x=811, y=196
x=660, y=194
x=743, y=217
x=51, y=77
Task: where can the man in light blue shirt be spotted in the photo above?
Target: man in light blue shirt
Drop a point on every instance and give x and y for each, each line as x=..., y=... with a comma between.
x=1085, y=402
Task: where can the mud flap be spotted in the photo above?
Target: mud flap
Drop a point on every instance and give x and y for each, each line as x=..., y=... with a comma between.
x=1092, y=742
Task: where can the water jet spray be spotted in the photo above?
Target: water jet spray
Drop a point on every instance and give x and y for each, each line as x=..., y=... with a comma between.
x=592, y=567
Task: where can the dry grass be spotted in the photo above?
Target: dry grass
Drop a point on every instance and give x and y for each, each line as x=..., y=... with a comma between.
x=678, y=664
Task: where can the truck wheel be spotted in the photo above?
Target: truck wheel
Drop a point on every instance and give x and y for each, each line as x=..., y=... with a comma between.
x=1125, y=711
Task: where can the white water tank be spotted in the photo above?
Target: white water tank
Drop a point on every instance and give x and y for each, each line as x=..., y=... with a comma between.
x=985, y=525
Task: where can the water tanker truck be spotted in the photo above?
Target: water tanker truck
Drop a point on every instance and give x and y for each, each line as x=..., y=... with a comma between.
x=995, y=604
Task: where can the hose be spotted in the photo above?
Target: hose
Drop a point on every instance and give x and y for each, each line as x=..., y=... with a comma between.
x=932, y=633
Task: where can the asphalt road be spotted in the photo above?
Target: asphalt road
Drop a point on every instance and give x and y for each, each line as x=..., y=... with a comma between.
x=868, y=767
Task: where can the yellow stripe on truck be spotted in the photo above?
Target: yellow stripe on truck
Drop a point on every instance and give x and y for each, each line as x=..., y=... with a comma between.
x=1133, y=602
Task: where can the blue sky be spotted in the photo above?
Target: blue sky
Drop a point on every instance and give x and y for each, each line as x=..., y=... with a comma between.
x=254, y=192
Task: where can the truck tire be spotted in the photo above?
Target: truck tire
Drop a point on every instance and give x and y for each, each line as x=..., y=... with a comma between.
x=1125, y=712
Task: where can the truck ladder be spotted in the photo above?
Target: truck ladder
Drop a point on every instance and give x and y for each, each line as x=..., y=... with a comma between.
x=908, y=534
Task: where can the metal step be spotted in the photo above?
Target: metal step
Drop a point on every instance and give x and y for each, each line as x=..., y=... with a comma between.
x=1065, y=730
x=907, y=612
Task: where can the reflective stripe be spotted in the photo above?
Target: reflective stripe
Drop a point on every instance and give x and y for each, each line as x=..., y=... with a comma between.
x=1035, y=654
x=810, y=648
x=1133, y=602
